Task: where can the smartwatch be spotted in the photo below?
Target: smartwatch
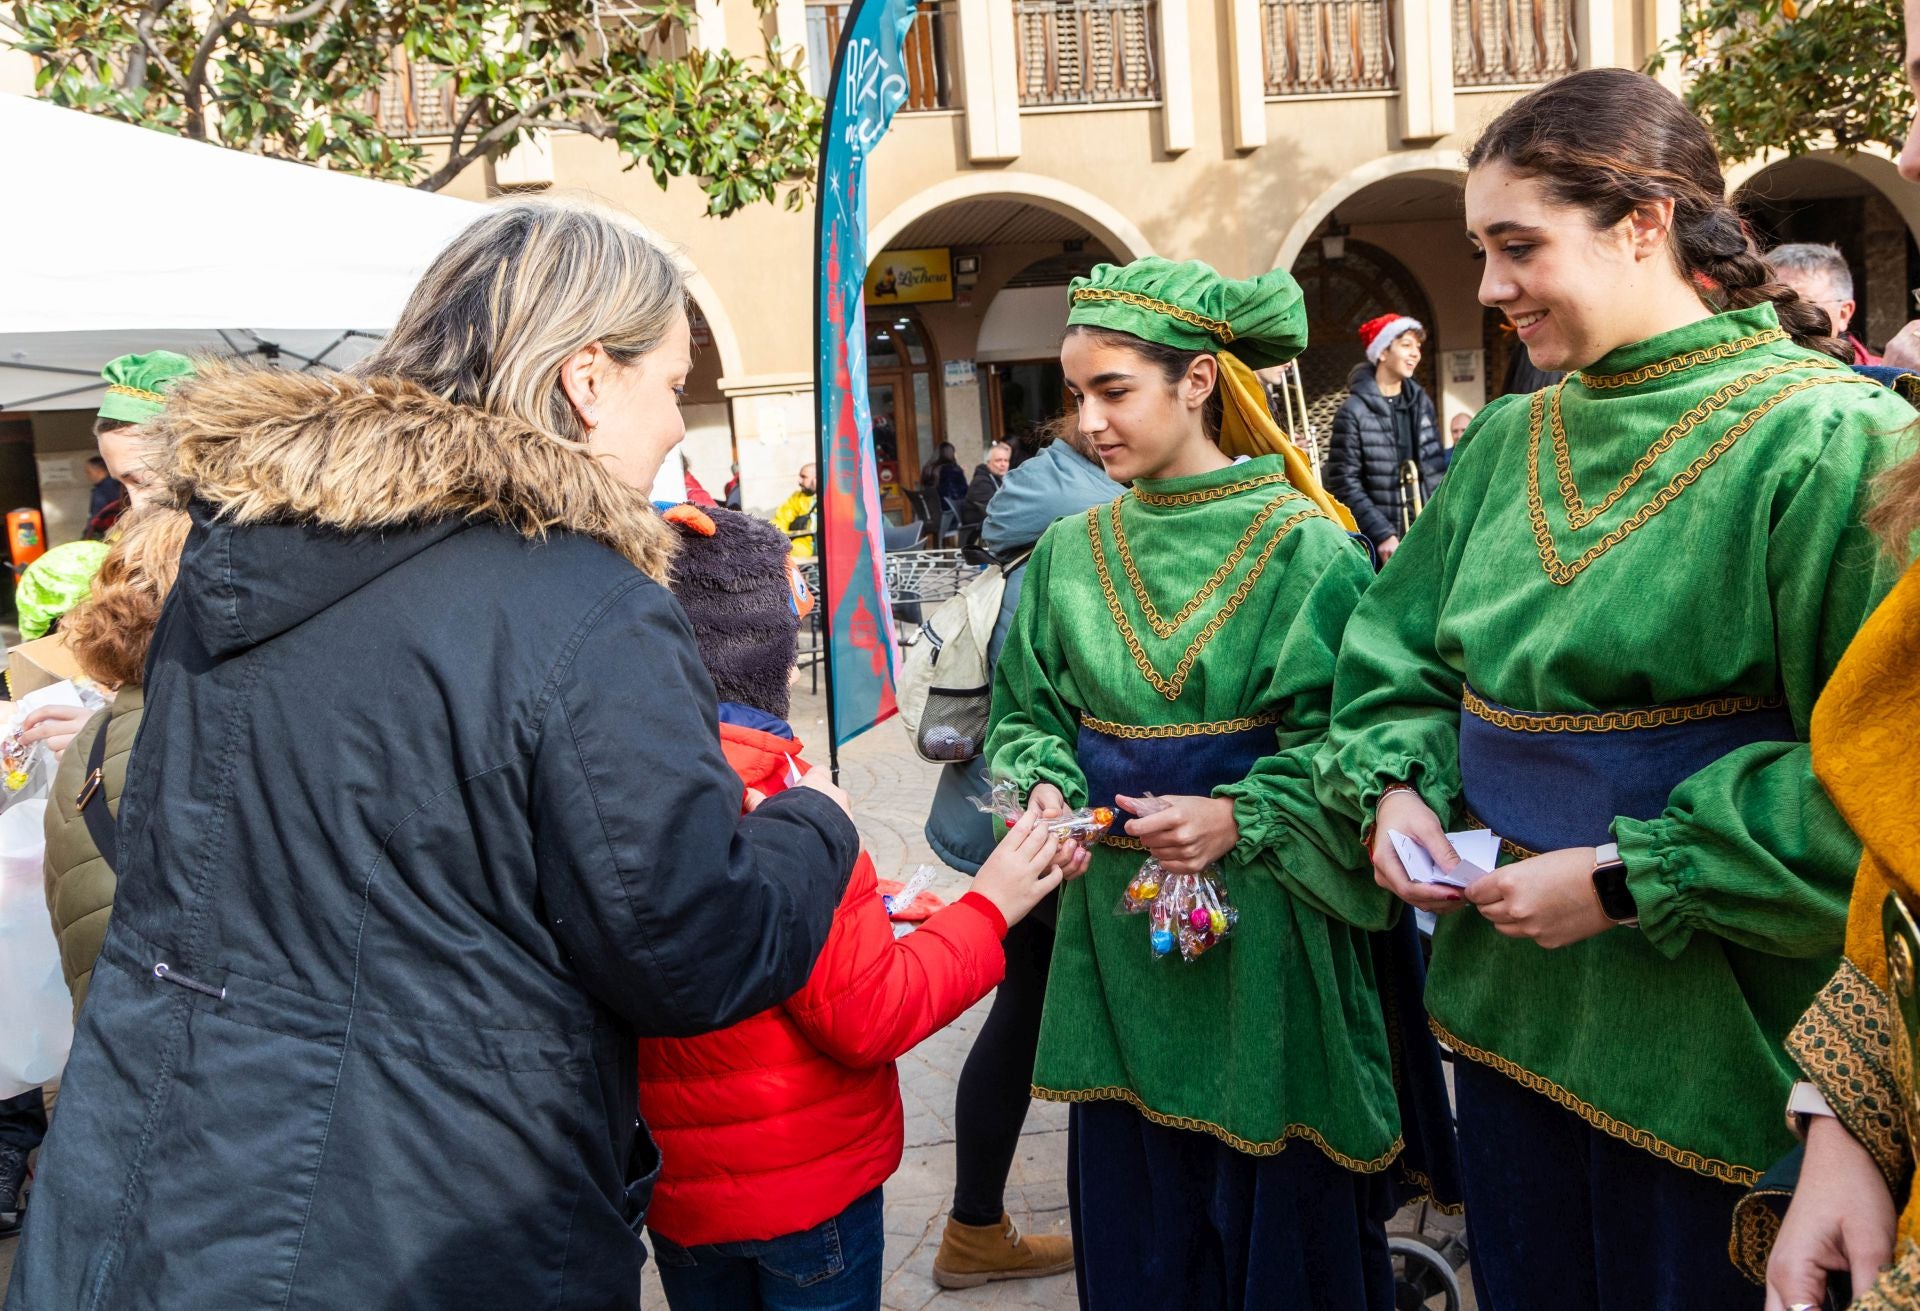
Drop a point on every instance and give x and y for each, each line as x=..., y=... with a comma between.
x=1610, y=885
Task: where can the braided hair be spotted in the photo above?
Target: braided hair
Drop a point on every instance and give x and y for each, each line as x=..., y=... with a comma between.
x=1607, y=140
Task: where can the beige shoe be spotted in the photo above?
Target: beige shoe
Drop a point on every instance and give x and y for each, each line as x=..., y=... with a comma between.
x=971, y=1255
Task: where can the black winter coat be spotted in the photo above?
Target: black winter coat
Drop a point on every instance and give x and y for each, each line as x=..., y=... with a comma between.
x=1364, y=455
x=423, y=826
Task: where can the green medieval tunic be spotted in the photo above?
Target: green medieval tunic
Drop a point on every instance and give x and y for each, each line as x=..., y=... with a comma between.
x=1190, y=618
x=1576, y=564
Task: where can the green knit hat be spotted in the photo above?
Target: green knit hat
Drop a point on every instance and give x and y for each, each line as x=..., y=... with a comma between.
x=1191, y=308
x=136, y=384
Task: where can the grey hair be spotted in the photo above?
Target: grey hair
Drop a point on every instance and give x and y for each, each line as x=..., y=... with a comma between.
x=1813, y=257
x=517, y=294
x=1001, y=445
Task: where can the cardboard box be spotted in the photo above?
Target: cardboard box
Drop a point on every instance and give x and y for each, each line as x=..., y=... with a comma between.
x=39, y=663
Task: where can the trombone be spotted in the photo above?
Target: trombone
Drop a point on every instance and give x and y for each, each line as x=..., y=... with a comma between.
x=1287, y=400
x=1412, y=501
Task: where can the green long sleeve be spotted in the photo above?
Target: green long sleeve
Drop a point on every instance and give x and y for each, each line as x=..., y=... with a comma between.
x=1034, y=721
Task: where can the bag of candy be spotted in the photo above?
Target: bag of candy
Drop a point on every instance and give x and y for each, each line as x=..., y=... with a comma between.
x=1142, y=890
x=1084, y=826
x=1202, y=913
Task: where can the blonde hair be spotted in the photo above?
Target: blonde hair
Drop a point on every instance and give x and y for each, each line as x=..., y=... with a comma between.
x=519, y=293
x=109, y=632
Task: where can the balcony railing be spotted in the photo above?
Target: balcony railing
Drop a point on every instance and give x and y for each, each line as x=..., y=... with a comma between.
x=1086, y=52
x=1512, y=42
x=1324, y=47
x=928, y=52
x=413, y=100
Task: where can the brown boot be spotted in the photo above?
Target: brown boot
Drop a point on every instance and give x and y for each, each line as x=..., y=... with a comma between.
x=971, y=1255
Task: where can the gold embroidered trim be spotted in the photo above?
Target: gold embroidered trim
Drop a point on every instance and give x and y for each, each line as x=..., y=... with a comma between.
x=1219, y=328
x=1579, y=514
x=1120, y=841
x=1725, y=1171
x=1272, y=1147
x=121, y=389
x=1170, y=687
x=1423, y=1190
x=1897, y=1288
x=1678, y=363
x=1508, y=847
x=1614, y=721
x=1562, y=572
x=1210, y=493
x=1213, y=728
x=1164, y=628
x=1755, y=1227
x=1845, y=1044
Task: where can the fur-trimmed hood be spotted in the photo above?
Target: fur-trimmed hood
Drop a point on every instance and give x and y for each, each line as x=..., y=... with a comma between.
x=306, y=487
x=349, y=453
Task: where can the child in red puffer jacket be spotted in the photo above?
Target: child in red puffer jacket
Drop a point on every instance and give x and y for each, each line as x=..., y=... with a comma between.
x=776, y=1134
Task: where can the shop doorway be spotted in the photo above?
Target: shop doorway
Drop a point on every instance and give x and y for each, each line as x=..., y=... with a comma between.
x=1341, y=294
x=1026, y=394
x=907, y=424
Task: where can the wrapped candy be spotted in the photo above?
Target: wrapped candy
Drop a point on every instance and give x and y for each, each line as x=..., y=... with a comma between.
x=1188, y=913
x=14, y=758
x=1142, y=890
x=1084, y=826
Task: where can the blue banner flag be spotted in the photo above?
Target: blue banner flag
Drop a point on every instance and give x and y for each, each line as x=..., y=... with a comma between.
x=863, y=654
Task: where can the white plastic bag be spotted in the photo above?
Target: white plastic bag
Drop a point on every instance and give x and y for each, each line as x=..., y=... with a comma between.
x=36, y=1024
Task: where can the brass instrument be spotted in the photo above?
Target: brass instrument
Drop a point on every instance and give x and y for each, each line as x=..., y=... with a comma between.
x=1287, y=401
x=1412, y=501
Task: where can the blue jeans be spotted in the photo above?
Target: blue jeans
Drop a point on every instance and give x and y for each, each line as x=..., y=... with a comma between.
x=834, y=1266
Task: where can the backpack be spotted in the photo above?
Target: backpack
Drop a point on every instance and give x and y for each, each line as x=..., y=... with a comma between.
x=946, y=680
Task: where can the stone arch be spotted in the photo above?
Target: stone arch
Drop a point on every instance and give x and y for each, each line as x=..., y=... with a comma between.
x=1439, y=165
x=1115, y=230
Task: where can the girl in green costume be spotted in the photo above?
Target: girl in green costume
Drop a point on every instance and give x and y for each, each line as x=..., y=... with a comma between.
x=1234, y=1119
x=1603, y=639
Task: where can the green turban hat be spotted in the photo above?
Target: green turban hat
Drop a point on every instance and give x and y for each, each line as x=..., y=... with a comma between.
x=54, y=584
x=136, y=384
x=1191, y=308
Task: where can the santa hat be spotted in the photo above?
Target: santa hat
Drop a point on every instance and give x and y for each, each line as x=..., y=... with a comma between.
x=1378, y=334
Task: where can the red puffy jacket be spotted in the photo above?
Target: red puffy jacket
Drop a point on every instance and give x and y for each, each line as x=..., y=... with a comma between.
x=783, y=1120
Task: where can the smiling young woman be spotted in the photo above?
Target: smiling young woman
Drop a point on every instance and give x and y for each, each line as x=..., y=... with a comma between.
x=1235, y=1129
x=1604, y=639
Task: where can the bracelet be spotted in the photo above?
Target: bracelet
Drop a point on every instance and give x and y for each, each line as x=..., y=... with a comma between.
x=1366, y=833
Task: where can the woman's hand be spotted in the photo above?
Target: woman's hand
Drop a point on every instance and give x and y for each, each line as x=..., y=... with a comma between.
x=1045, y=802
x=1549, y=898
x=57, y=726
x=1841, y=1219
x=1186, y=834
x=1404, y=812
x=1020, y=872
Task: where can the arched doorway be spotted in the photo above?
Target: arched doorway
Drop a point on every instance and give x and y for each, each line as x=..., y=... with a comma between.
x=1342, y=293
x=1827, y=201
x=1019, y=345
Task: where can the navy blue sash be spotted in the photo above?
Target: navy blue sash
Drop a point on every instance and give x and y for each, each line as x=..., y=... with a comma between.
x=1548, y=781
x=1186, y=760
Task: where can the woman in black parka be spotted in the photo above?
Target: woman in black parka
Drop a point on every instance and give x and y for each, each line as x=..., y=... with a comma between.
x=426, y=820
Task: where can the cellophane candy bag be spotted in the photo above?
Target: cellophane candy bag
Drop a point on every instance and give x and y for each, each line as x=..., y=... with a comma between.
x=1084, y=826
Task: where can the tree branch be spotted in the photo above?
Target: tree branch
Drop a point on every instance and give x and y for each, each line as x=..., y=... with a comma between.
x=458, y=161
x=135, y=77
x=293, y=19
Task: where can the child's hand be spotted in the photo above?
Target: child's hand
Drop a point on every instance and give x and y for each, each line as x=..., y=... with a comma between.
x=1021, y=870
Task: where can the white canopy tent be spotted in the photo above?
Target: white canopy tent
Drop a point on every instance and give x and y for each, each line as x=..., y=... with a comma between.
x=118, y=239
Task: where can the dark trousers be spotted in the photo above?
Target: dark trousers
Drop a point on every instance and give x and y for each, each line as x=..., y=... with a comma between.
x=996, y=1083
x=834, y=1266
x=1174, y=1220
x=23, y=1120
x=1564, y=1217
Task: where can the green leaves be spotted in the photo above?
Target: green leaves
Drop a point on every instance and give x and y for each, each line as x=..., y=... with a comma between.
x=303, y=80
x=1795, y=75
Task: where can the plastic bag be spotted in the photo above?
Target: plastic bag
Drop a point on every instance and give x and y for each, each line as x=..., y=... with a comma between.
x=1188, y=913
x=1142, y=890
x=1084, y=826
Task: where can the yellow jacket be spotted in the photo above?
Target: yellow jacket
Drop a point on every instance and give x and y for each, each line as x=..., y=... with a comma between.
x=800, y=505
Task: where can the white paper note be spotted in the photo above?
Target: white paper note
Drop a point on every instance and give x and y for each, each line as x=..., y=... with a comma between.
x=1479, y=851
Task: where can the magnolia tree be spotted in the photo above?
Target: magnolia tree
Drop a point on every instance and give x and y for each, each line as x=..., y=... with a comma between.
x=1793, y=75
x=301, y=81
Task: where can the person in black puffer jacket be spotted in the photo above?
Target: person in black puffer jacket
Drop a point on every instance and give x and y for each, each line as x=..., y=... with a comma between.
x=1386, y=420
x=427, y=820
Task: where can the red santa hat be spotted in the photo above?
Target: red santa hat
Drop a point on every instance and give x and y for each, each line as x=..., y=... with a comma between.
x=1378, y=334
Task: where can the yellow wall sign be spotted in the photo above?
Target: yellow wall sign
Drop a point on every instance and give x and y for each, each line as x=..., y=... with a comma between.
x=902, y=277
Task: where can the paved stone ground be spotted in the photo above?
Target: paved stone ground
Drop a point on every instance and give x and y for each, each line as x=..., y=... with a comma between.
x=891, y=789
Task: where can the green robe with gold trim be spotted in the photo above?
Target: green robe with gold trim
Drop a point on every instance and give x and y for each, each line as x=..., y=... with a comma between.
x=1733, y=564
x=1277, y=1034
